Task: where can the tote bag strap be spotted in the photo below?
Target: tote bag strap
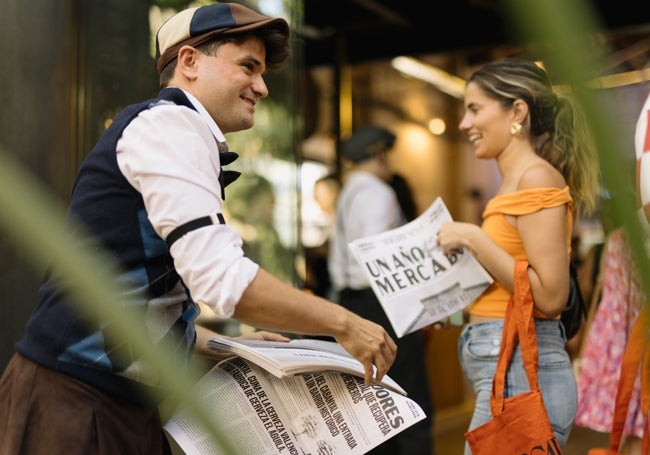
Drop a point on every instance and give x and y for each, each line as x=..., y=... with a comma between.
x=632, y=359
x=518, y=325
x=508, y=340
x=524, y=307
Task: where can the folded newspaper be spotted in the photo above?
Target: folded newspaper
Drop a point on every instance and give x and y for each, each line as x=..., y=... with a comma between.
x=320, y=412
x=414, y=281
x=303, y=355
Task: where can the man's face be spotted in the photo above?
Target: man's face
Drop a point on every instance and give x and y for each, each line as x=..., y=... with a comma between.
x=230, y=83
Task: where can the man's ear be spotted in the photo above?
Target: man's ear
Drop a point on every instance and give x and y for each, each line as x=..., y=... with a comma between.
x=383, y=157
x=187, y=61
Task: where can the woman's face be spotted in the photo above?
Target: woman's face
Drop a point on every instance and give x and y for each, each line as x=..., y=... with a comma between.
x=486, y=123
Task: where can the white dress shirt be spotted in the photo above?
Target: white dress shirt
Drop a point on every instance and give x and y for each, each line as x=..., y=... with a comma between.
x=169, y=154
x=366, y=206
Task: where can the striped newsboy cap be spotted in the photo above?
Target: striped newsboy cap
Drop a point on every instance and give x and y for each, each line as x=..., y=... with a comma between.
x=195, y=26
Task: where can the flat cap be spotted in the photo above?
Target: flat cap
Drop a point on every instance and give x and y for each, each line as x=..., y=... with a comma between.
x=194, y=26
x=367, y=142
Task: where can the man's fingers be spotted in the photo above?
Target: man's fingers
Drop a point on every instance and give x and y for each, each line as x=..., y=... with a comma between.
x=384, y=361
x=392, y=346
x=369, y=374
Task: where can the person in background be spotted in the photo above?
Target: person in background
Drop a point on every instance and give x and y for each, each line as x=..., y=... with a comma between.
x=326, y=193
x=548, y=166
x=368, y=205
x=151, y=193
x=318, y=281
x=404, y=196
x=604, y=344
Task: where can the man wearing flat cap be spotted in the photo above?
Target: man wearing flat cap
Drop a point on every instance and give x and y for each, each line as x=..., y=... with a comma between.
x=368, y=205
x=151, y=194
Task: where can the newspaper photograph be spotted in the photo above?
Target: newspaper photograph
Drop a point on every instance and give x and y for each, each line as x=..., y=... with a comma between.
x=317, y=413
x=413, y=280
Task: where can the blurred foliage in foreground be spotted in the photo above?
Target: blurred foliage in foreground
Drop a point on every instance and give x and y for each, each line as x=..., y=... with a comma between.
x=34, y=221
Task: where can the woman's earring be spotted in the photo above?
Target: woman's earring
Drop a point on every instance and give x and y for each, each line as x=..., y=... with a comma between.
x=515, y=129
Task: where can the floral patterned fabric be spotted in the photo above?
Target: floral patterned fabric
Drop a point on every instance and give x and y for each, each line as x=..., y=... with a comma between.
x=606, y=340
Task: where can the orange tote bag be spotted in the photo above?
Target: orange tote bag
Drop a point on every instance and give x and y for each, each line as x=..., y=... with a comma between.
x=519, y=424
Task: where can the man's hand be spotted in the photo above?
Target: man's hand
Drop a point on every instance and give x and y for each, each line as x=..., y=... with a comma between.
x=263, y=335
x=371, y=345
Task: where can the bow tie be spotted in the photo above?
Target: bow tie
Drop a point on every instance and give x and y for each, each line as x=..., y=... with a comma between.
x=226, y=177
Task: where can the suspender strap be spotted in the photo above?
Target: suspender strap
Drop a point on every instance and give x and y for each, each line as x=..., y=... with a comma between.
x=184, y=228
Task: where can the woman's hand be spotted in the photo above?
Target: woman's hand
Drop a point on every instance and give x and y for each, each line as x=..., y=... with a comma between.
x=442, y=324
x=454, y=235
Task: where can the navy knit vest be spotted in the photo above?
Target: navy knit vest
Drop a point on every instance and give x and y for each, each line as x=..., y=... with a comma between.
x=104, y=202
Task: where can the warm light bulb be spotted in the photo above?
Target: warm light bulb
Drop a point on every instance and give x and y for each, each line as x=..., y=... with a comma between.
x=437, y=126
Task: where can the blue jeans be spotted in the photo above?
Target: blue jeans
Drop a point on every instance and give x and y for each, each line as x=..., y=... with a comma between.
x=479, y=346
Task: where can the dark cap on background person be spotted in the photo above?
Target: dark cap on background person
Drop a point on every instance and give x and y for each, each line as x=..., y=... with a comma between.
x=366, y=142
x=195, y=26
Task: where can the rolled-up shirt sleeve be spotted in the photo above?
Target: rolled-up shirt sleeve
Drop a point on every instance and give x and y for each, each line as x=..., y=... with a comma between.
x=169, y=154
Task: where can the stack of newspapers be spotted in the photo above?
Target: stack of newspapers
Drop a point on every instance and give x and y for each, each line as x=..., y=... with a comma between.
x=299, y=397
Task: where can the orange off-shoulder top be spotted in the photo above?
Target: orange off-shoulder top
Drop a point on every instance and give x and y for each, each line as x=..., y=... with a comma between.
x=493, y=302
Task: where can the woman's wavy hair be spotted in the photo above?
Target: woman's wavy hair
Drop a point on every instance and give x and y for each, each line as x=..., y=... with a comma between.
x=556, y=123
